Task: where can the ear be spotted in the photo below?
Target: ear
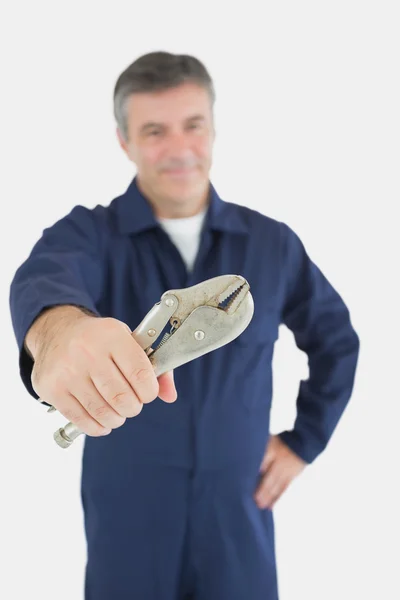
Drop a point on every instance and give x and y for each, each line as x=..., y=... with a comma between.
x=121, y=140
x=124, y=145
x=213, y=130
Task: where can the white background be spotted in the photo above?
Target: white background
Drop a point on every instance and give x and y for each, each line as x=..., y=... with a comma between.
x=308, y=132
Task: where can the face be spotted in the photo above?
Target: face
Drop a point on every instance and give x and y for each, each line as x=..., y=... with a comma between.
x=171, y=135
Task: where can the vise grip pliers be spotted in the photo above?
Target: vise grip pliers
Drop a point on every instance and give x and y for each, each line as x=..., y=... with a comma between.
x=203, y=317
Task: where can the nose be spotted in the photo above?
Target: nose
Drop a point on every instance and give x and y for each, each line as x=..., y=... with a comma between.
x=179, y=145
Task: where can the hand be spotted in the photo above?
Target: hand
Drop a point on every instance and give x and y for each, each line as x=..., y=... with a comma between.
x=279, y=467
x=94, y=372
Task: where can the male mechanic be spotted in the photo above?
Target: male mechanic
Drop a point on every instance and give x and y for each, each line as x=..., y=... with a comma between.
x=179, y=476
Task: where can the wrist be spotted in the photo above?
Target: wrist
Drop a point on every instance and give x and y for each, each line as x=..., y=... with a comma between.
x=51, y=321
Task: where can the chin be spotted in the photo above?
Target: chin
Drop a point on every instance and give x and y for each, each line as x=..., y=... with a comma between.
x=180, y=196
x=185, y=187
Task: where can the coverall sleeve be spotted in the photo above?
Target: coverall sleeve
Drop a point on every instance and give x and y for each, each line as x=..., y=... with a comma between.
x=320, y=321
x=64, y=267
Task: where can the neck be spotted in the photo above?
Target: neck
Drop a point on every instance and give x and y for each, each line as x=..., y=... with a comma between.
x=165, y=208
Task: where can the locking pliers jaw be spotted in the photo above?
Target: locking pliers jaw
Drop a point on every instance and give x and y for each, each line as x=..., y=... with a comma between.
x=203, y=317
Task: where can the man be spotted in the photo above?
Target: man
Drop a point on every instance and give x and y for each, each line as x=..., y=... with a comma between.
x=177, y=498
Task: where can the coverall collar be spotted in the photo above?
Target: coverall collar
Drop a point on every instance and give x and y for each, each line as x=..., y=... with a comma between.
x=135, y=214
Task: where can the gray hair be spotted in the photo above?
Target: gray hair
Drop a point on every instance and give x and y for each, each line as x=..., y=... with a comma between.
x=157, y=71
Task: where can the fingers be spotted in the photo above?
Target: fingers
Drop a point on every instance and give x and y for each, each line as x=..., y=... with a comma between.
x=117, y=392
x=142, y=378
x=167, y=391
x=273, y=483
x=136, y=368
x=268, y=458
x=69, y=406
x=107, y=399
x=95, y=404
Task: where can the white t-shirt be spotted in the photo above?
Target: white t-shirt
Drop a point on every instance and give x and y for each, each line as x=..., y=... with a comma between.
x=185, y=234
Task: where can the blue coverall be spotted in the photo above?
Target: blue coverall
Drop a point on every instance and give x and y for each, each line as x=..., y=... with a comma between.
x=168, y=497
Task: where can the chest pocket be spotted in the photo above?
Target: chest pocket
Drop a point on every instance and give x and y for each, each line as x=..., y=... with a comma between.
x=263, y=329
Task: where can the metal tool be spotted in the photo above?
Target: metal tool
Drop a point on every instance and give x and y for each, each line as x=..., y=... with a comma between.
x=203, y=317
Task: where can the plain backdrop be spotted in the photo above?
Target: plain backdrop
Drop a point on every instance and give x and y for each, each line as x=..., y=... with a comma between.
x=308, y=132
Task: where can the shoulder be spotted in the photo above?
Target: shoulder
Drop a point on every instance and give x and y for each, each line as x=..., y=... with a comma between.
x=251, y=216
x=93, y=220
x=258, y=223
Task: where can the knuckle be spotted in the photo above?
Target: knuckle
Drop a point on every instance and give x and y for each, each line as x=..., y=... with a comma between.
x=140, y=374
x=145, y=382
x=74, y=416
x=106, y=384
x=131, y=407
x=77, y=344
x=108, y=322
x=120, y=399
x=56, y=384
x=84, y=352
x=98, y=411
x=85, y=423
x=111, y=325
x=104, y=414
x=81, y=420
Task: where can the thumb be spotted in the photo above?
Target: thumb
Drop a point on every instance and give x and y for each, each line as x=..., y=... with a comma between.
x=167, y=390
x=267, y=459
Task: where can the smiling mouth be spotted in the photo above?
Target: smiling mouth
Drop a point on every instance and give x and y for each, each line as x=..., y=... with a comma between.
x=179, y=172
